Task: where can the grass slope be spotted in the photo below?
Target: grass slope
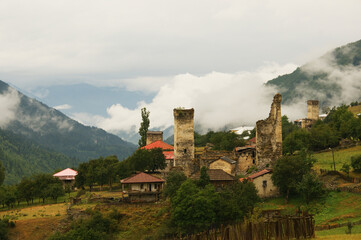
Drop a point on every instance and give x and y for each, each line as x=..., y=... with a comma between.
x=338, y=207
x=324, y=159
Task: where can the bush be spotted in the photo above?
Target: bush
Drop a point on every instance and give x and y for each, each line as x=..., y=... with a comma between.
x=97, y=227
x=356, y=163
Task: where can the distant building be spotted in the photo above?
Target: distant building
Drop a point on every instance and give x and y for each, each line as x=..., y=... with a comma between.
x=143, y=187
x=67, y=176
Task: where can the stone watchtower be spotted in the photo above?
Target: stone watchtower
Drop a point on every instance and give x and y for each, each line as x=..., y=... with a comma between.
x=312, y=110
x=269, y=136
x=183, y=139
x=153, y=136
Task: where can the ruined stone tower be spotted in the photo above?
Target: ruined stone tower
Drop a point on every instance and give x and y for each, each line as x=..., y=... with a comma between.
x=183, y=139
x=153, y=136
x=269, y=136
x=312, y=109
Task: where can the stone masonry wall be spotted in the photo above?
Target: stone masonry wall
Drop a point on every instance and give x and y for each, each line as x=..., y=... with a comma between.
x=153, y=136
x=312, y=109
x=184, y=139
x=269, y=136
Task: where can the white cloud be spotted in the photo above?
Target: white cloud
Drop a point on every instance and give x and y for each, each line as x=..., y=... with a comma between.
x=9, y=102
x=218, y=99
x=46, y=42
x=63, y=107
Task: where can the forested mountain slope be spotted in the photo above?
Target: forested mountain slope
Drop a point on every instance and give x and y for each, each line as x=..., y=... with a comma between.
x=50, y=129
x=333, y=78
x=22, y=157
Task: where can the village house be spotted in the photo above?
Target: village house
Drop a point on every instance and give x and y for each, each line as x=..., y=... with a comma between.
x=224, y=163
x=155, y=140
x=217, y=177
x=263, y=182
x=142, y=187
x=66, y=176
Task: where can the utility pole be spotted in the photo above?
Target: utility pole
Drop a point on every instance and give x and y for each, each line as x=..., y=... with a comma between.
x=333, y=158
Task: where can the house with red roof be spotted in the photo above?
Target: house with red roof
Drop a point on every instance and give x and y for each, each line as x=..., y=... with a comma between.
x=263, y=182
x=142, y=187
x=155, y=140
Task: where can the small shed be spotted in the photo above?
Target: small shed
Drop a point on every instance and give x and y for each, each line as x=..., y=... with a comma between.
x=67, y=176
x=263, y=182
x=143, y=187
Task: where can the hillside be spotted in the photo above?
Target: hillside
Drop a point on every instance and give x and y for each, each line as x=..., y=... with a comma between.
x=331, y=78
x=22, y=157
x=51, y=129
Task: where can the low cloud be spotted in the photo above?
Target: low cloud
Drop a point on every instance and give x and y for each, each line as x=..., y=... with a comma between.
x=219, y=99
x=342, y=82
x=9, y=102
x=63, y=107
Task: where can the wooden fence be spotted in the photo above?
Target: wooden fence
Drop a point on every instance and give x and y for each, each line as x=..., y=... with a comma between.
x=279, y=228
x=346, y=178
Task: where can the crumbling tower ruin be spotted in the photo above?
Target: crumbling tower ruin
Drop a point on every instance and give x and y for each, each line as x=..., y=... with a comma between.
x=269, y=136
x=183, y=139
x=312, y=110
x=153, y=136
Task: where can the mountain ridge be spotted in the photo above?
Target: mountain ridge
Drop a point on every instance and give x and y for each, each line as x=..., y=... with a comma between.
x=323, y=78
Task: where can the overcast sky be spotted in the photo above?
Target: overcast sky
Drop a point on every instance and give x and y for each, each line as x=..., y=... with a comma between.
x=150, y=48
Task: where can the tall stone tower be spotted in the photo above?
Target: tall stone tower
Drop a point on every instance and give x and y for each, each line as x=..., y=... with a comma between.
x=312, y=109
x=153, y=136
x=183, y=139
x=269, y=136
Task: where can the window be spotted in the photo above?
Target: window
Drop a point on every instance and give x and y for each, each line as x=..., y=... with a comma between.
x=141, y=186
x=264, y=184
x=185, y=150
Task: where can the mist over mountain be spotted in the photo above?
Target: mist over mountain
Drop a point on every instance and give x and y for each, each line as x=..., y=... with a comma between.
x=51, y=129
x=333, y=79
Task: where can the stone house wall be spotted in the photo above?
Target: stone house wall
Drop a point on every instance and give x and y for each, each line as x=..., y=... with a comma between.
x=265, y=186
x=224, y=165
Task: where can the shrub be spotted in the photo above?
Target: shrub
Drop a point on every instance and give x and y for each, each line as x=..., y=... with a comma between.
x=356, y=163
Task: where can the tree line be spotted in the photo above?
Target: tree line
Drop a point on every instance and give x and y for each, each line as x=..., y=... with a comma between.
x=339, y=124
x=106, y=171
x=40, y=186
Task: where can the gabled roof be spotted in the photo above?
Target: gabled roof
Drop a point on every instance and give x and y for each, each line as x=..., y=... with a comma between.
x=142, y=178
x=260, y=173
x=158, y=144
x=247, y=147
x=66, y=172
x=216, y=175
x=224, y=158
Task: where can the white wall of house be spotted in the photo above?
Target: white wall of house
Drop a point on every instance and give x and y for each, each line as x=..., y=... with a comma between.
x=145, y=187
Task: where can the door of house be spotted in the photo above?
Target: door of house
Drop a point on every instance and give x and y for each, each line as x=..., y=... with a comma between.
x=150, y=187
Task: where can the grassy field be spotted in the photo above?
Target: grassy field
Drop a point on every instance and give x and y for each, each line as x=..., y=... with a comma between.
x=324, y=159
x=338, y=207
x=39, y=211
